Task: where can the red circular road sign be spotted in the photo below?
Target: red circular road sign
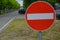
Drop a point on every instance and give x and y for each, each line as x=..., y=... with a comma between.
x=40, y=15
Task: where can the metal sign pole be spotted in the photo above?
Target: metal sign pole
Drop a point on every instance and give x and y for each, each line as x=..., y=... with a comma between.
x=40, y=35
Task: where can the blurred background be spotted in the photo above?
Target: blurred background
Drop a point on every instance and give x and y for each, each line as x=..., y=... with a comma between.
x=7, y=6
x=13, y=24
x=11, y=5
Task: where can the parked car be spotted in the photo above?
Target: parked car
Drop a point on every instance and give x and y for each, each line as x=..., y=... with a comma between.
x=22, y=11
x=58, y=15
x=57, y=6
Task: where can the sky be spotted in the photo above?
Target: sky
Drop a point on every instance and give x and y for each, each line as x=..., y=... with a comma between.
x=20, y=2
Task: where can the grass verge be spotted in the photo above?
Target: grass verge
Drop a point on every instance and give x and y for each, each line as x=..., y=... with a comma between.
x=18, y=30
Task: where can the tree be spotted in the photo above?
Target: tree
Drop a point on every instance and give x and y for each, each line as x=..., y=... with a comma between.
x=3, y=4
x=13, y=4
x=58, y=1
x=8, y=4
x=26, y=3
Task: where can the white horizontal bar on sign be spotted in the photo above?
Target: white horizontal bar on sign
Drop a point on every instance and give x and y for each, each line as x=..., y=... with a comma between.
x=40, y=16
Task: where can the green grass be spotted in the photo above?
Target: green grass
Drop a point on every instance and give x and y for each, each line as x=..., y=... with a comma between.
x=18, y=30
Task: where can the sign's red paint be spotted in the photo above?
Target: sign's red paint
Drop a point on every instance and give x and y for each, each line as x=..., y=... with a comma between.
x=40, y=15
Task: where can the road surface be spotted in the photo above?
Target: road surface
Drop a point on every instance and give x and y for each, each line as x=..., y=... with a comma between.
x=5, y=18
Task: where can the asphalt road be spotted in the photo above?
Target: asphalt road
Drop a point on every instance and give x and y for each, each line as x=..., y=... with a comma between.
x=5, y=18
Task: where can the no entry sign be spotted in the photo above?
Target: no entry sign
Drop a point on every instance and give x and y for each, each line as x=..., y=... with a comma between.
x=40, y=15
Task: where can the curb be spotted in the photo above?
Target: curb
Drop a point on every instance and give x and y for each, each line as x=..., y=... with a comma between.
x=5, y=26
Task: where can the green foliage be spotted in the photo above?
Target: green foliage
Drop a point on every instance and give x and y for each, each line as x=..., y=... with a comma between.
x=2, y=13
x=13, y=4
x=3, y=4
x=53, y=2
x=9, y=4
x=58, y=1
x=26, y=3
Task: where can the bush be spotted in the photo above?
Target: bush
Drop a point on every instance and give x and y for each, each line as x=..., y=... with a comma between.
x=2, y=13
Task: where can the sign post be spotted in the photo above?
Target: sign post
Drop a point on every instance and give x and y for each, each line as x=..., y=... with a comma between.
x=40, y=35
x=40, y=16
